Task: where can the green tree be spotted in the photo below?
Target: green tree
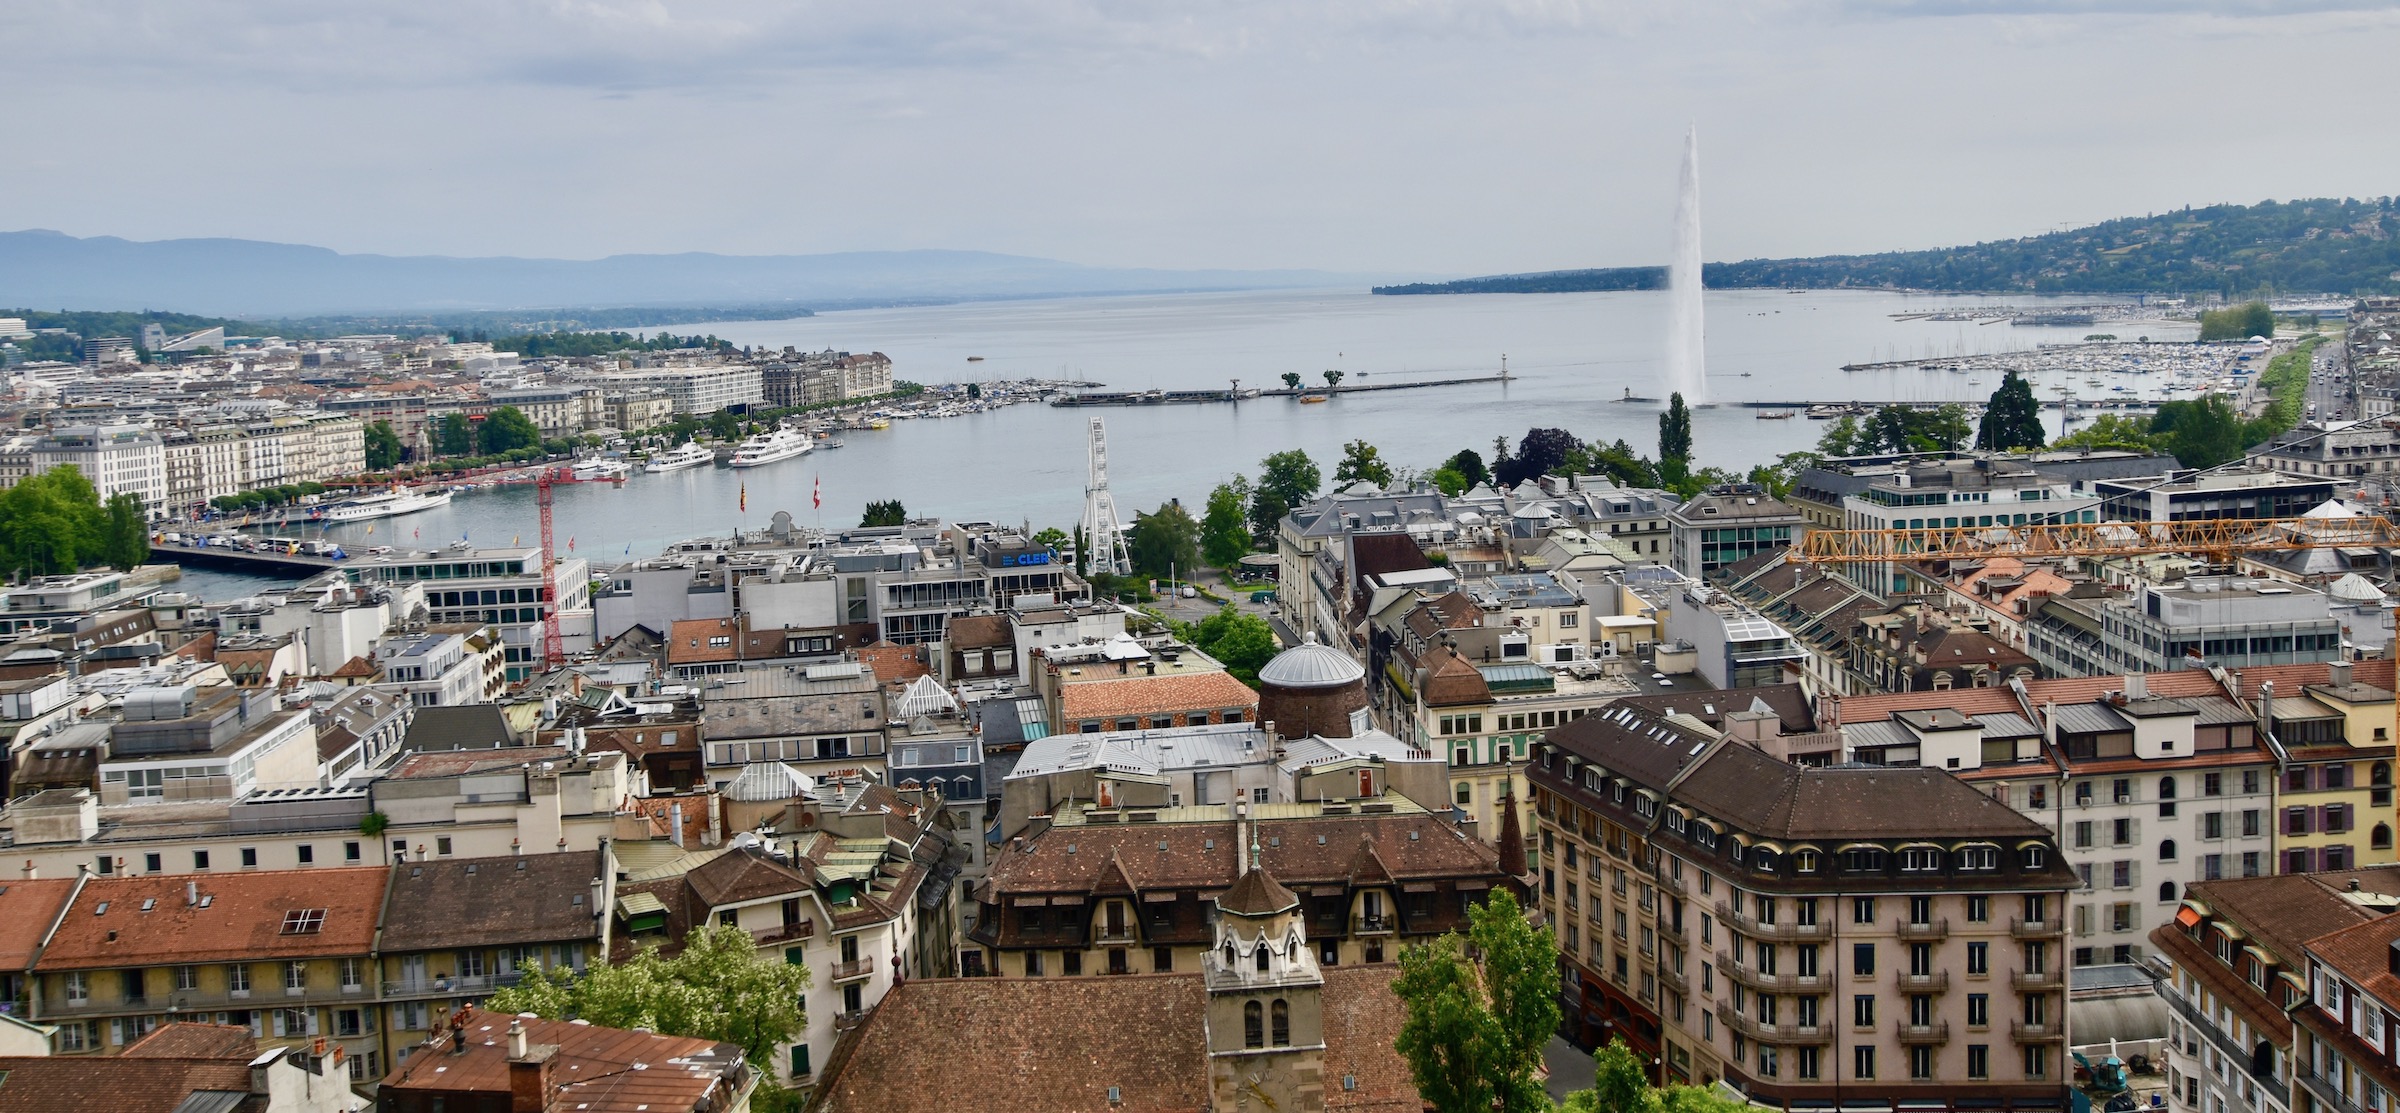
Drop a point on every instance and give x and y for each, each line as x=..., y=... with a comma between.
x=1285, y=480
x=724, y=425
x=1362, y=461
x=125, y=542
x=383, y=446
x=1333, y=378
x=716, y=989
x=1542, y=452
x=2111, y=431
x=1164, y=542
x=1844, y=437
x=1621, y=1084
x=2239, y=322
x=1479, y=1011
x=1225, y=528
x=1243, y=643
x=2012, y=419
x=1054, y=538
x=1449, y=481
x=454, y=435
x=1621, y=463
x=1469, y=465
x=51, y=523
x=2201, y=433
x=888, y=512
x=1291, y=380
x=1675, y=430
x=507, y=429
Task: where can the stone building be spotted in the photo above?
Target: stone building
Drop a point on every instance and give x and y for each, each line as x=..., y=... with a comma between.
x=1313, y=689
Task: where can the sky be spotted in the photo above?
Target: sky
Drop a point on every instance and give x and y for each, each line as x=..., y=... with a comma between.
x=1383, y=136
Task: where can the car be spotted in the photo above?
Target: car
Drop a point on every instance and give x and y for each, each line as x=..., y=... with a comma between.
x=1190, y=592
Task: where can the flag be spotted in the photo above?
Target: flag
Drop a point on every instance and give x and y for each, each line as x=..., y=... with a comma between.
x=519, y=539
x=415, y=532
x=629, y=548
x=570, y=542
x=817, y=497
x=745, y=498
x=370, y=529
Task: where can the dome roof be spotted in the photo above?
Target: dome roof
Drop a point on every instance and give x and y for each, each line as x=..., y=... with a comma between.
x=1312, y=665
x=2354, y=588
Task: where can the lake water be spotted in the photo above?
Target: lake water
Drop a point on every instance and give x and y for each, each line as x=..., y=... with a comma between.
x=1571, y=355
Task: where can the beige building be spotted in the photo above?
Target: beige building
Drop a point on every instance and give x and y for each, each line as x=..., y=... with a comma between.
x=1805, y=935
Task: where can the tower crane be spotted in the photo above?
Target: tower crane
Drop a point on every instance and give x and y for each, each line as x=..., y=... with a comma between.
x=544, y=481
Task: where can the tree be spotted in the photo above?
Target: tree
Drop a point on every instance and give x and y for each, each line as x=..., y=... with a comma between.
x=1469, y=465
x=1243, y=643
x=383, y=446
x=1291, y=380
x=1675, y=430
x=1333, y=378
x=1479, y=1011
x=716, y=989
x=125, y=543
x=724, y=424
x=1539, y=454
x=2012, y=419
x=1449, y=481
x=1285, y=480
x=1053, y=538
x=507, y=429
x=1909, y=429
x=1621, y=1084
x=1225, y=528
x=888, y=512
x=454, y=435
x=1622, y=464
x=2201, y=433
x=1844, y=437
x=1362, y=462
x=51, y=523
x=1164, y=542
x=2111, y=431
x=2239, y=322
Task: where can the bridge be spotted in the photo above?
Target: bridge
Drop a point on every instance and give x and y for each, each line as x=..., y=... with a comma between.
x=288, y=566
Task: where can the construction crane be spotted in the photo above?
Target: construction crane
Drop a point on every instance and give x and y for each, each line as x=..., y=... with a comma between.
x=543, y=481
x=2219, y=539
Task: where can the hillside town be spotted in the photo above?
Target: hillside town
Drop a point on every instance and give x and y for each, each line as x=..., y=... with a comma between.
x=1962, y=780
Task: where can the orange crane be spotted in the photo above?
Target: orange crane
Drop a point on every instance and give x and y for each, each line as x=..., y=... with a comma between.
x=2217, y=538
x=553, y=646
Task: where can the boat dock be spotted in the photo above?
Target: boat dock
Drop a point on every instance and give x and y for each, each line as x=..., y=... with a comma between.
x=1236, y=393
x=256, y=563
x=1970, y=403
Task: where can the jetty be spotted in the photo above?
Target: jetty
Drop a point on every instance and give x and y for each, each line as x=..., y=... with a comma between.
x=1236, y=393
x=254, y=562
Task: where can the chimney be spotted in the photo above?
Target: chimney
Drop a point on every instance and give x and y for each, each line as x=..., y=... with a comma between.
x=191, y=894
x=530, y=1072
x=516, y=1040
x=2337, y=674
x=2137, y=686
x=2266, y=703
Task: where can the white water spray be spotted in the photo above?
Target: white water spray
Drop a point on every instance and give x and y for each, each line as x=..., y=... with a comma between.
x=1687, y=361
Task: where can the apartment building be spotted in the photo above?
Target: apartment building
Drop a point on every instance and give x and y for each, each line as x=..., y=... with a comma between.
x=1806, y=935
x=2346, y=1040
x=2233, y=621
x=698, y=391
x=503, y=588
x=118, y=459
x=1727, y=525
x=203, y=463
x=2236, y=962
x=1110, y=890
x=1482, y=719
x=285, y=954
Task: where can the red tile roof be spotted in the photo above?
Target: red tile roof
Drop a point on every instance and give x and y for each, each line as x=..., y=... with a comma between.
x=2288, y=680
x=117, y=1083
x=688, y=641
x=244, y=918
x=597, y=1070
x=1152, y=695
x=893, y=664
x=182, y=1040
x=27, y=909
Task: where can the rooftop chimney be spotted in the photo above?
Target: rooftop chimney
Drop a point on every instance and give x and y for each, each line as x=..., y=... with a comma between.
x=191, y=893
x=516, y=1040
x=2337, y=674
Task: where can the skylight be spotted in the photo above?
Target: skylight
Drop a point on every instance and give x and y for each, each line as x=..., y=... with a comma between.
x=303, y=921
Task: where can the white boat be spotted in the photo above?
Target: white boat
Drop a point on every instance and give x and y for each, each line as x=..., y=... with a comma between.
x=768, y=448
x=602, y=468
x=385, y=504
x=686, y=455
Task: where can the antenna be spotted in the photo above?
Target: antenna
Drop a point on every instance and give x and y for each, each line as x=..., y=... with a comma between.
x=1103, y=531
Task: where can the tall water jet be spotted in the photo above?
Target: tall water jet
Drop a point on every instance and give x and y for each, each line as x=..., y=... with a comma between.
x=1687, y=362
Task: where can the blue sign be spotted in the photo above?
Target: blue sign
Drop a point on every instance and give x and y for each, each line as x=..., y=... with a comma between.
x=1015, y=560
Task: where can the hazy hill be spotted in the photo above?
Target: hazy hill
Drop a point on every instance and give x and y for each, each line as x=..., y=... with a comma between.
x=2298, y=247
x=253, y=279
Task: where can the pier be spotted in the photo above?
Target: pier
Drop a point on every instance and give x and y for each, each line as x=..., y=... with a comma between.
x=1970, y=403
x=290, y=566
x=1237, y=394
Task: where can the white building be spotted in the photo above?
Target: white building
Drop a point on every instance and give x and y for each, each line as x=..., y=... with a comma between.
x=700, y=391
x=116, y=458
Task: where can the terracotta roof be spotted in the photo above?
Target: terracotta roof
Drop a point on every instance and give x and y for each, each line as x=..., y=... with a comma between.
x=977, y=631
x=27, y=909
x=491, y=902
x=1311, y=851
x=2288, y=680
x=1143, y=1034
x=1153, y=695
x=1454, y=681
x=594, y=1072
x=120, y=1084
x=2284, y=912
x=688, y=641
x=357, y=668
x=1256, y=894
x=182, y=1040
x=893, y=663
x=245, y=918
x=744, y=875
x=459, y=763
x=2362, y=953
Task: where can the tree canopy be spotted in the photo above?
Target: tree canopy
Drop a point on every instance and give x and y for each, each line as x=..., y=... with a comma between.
x=1225, y=526
x=1242, y=642
x=1541, y=452
x=507, y=429
x=52, y=522
x=383, y=446
x=1480, y=1010
x=1362, y=462
x=1164, y=542
x=2237, y=322
x=886, y=512
x=2012, y=419
x=1675, y=431
x=1285, y=480
x=1469, y=465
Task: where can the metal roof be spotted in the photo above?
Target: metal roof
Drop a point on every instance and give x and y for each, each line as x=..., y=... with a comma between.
x=1312, y=665
x=2088, y=718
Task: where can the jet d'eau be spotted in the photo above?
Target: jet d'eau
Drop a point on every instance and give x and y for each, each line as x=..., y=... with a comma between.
x=1687, y=361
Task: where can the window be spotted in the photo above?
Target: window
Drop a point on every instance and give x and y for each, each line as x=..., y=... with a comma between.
x=1862, y=1012
x=295, y=976
x=1805, y=1063
x=1862, y=1063
x=308, y=854
x=1862, y=960
x=353, y=975
x=237, y=979
x=249, y=857
x=1979, y=1010
x=1979, y=910
x=1979, y=958
x=1281, y=1015
x=79, y=991
x=1979, y=1061
x=1254, y=1032
x=1920, y=1063
x=303, y=921
x=153, y=863
x=2166, y=850
x=199, y=859
x=187, y=978
x=1862, y=910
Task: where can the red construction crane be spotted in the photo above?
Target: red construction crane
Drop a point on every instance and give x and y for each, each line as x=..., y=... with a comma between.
x=553, y=646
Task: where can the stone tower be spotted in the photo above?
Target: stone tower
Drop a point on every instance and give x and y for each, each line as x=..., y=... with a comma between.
x=1266, y=1032
x=1311, y=688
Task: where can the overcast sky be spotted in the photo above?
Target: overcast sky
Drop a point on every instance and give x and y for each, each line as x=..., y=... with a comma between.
x=1450, y=136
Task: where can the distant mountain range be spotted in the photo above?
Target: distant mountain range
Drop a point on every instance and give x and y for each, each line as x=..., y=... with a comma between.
x=2321, y=246
x=254, y=279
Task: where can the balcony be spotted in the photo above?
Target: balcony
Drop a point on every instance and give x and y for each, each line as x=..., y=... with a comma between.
x=785, y=933
x=854, y=969
x=1750, y=976
x=1672, y=884
x=1928, y=931
x=1673, y=979
x=450, y=985
x=1374, y=925
x=2036, y=929
x=1936, y=1032
x=1774, y=1033
x=2026, y=1032
x=843, y=1022
x=187, y=1000
x=1750, y=925
x=2327, y=1092
x=2038, y=979
x=1936, y=982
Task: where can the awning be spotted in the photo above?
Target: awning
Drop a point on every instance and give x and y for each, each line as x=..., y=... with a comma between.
x=1030, y=902
x=1471, y=886
x=2187, y=916
x=1418, y=887
x=1154, y=897
x=1067, y=900
x=631, y=905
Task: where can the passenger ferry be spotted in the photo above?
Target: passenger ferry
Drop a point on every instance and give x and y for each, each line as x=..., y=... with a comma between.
x=687, y=455
x=768, y=448
x=385, y=504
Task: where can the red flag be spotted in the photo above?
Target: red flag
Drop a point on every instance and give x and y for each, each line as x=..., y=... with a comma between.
x=570, y=542
x=817, y=496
